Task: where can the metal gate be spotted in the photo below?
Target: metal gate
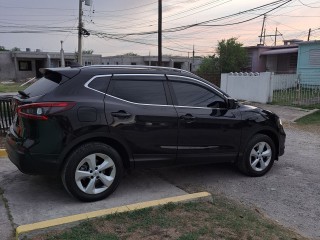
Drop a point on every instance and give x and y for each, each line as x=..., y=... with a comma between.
x=289, y=89
x=6, y=114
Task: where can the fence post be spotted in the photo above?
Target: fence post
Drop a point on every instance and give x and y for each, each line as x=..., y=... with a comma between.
x=271, y=78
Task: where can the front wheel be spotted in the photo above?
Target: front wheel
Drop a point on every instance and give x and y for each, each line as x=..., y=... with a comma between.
x=92, y=172
x=258, y=157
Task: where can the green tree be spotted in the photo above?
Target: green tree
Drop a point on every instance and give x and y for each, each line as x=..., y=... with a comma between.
x=89, y=51
x=209, y=65
x=232, y=56
x=131, y=54
x=16, y=49
x=2, y=48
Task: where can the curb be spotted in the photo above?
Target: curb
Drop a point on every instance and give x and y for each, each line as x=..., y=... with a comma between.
x=306, y=114
x=36, y=228
x=3, y=153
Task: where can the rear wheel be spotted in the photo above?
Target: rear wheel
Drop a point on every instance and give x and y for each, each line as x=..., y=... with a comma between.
x=258, y=157
x=92, y=172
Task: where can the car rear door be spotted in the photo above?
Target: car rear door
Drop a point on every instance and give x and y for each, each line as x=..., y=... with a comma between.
x=139, y=110
x=208, y=130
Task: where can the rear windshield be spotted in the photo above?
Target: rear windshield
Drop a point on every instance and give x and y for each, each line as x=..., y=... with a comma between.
x=44, y=85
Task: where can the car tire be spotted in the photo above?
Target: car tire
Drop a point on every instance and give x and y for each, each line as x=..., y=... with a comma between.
x=92, y=171
x=258, y=157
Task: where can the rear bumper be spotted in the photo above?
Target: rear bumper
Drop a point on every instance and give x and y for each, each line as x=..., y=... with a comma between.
x=30, y=163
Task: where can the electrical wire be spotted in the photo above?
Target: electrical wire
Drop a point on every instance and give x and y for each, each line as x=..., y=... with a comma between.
x=307, y=5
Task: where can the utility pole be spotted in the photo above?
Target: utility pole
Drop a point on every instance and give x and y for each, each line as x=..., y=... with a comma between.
x=262, y=29
x=192, y=59
x=80, y=26
x=277, y=33
x=309, y=34
x=160, y=33
x=62, y=55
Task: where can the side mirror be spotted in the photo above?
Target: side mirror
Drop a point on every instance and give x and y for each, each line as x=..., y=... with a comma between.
x=232, y=103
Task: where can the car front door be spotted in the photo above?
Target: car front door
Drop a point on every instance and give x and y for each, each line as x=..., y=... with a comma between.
x=208, y=130
x=139, y=110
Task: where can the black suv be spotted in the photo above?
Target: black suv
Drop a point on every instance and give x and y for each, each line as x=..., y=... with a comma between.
x=90, y=124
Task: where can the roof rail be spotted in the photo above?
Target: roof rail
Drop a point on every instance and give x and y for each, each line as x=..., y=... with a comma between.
x=136, y=67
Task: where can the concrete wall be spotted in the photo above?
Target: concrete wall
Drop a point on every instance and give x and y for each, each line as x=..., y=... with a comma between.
x=168, y=61
x=7, y=71
x=250, y=88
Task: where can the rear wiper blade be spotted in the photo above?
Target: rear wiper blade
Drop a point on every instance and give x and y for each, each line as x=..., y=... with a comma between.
x=22, y=93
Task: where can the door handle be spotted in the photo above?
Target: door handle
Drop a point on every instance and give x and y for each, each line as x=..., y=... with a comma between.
x=188, y=118
x=121, y=114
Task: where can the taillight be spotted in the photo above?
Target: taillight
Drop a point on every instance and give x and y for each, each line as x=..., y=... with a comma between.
x=41, y=111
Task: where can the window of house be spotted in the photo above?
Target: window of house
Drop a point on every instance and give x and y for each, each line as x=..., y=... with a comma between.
x=66, y=63
x=117, y=63
x=314, y=57
x=133, y=63
x=25, y=66
x=87, y=63
x=192, y=95
x=293, y=61
x=139, y=91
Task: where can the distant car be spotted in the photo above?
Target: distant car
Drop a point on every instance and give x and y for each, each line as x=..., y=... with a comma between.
x=90, y=124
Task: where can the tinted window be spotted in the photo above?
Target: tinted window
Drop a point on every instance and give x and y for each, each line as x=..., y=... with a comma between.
x=41, y=87
x=188, y=94
x=100, y=84
x=148, y=92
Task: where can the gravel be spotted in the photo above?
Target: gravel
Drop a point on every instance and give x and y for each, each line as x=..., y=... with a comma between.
x=289, y=193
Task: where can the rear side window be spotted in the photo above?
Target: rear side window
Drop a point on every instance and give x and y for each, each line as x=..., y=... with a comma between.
x=44, y=85
x=146, y=92
x=100, y=83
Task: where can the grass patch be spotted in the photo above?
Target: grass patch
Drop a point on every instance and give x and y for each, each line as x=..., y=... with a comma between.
x=313, y=119
x=12, y=87
x=221, y=219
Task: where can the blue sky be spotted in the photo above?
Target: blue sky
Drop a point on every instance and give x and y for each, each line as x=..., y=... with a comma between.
x=52, y=21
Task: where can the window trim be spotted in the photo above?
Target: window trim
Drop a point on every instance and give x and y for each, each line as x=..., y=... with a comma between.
x=169, y=103
x=196, y=83
x=86, y=85
x=162, y=81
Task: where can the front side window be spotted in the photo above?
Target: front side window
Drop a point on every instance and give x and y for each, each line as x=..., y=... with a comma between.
x=139, y=91
x=188, y=94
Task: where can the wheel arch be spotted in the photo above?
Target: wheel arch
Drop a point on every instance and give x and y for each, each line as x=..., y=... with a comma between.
x=273, y=137
x=119, y=146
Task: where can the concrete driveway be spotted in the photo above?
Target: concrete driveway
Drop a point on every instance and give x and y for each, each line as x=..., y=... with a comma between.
x=29, y=199
x=290, y=193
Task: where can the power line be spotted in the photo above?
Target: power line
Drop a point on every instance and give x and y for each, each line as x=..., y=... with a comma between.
x=307, y=5
x=205, y=23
